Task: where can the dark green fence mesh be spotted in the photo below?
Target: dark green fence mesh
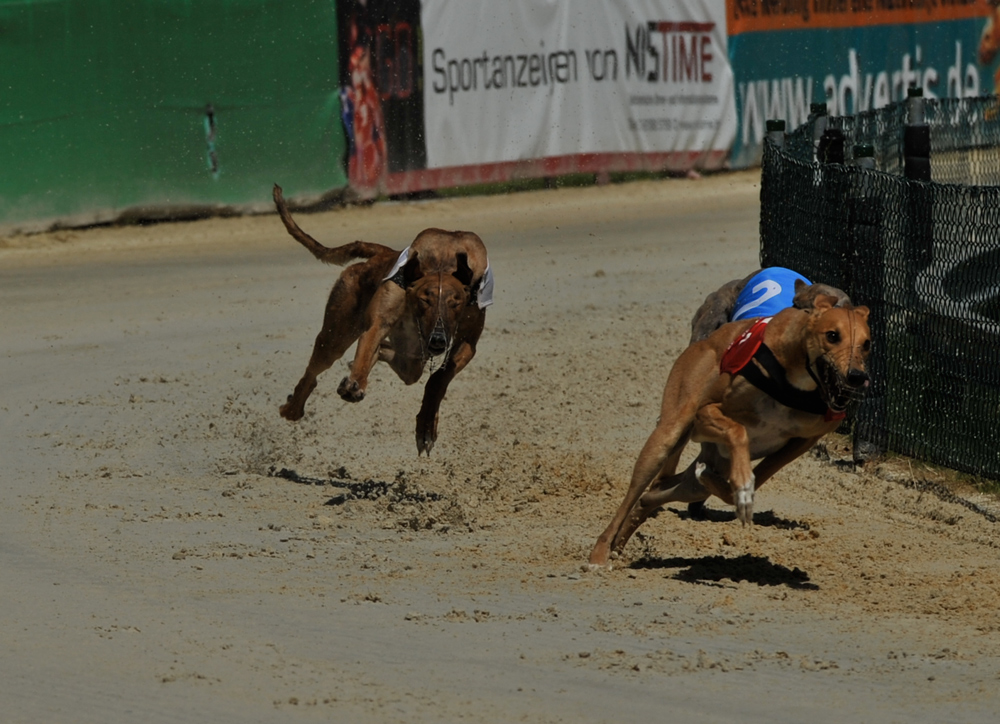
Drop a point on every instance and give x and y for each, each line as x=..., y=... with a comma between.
x=924, y=256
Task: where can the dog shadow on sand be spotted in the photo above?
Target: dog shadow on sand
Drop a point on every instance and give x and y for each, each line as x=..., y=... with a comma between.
x=711, y=570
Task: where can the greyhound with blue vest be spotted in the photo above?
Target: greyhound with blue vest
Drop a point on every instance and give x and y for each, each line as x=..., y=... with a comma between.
x=757, y=389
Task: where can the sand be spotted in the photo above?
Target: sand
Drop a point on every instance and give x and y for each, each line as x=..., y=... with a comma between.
x=172, y=550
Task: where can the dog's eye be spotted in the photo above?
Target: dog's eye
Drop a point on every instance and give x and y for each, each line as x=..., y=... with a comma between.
x=867, y=345
x=833, y=337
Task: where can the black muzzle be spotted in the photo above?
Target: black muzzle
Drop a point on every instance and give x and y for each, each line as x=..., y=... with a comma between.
x=438, y=341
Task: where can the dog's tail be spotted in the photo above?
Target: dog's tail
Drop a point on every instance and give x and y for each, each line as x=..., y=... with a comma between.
x=339, y=255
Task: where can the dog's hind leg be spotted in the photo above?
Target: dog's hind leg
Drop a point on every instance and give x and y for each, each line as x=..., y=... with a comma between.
x=342, y=324
x=386, y=308
x=715, y=311
x=690, y=380
x=684, y=487
x=325, y=353
x=660, y=453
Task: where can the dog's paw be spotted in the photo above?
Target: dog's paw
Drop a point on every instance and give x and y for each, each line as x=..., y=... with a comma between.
x=426, y=438
x=600, y=559
x=350, y=390
x=424, y=445
x=291, y=412
x=426, y=435
x=744, y=509
x=744, y=502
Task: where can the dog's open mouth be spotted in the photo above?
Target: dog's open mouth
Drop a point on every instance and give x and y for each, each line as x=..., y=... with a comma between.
x=837, y=392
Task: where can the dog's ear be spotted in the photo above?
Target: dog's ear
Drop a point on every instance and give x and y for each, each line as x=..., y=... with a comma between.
x=822, y=302
x=411, y=270
x=805, y=295
x=862, y=312
x=464, y=271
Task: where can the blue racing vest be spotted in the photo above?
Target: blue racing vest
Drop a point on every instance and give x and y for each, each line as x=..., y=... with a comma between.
x=767, y=293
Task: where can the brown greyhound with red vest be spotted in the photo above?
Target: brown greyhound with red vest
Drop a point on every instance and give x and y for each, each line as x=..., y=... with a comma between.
x=755, y=389
x=402, y=308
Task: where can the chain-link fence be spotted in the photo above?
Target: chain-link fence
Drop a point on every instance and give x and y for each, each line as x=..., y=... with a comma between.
x=924, y=255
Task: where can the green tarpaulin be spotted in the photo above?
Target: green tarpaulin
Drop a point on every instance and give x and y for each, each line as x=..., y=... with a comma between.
x=106, y=105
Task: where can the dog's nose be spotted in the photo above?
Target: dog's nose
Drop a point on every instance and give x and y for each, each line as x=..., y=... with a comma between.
x=856, y=377
x=438, y=343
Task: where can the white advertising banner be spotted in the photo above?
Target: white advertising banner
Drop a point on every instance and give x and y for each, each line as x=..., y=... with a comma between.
x=512, y=80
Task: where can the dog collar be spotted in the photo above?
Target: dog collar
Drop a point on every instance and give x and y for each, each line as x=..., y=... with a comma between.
x=397, y=279
x=750, y=357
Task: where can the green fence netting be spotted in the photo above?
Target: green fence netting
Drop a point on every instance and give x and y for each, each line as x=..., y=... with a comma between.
x=923, y=255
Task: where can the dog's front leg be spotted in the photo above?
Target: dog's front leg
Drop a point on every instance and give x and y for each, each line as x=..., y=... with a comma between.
x=711, y=425
x=434, y=392
x=386, y=308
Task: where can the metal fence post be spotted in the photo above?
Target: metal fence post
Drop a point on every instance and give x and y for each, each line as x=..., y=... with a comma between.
x=916, y=139
x=866, y=272
x=771, y=205
x=820, y=120
x=831, y=146
x=776, y=132
x=917, y=167
x=921, y=337
x=864, y=156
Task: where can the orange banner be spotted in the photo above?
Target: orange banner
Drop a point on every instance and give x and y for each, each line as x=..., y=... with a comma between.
x=747, y=16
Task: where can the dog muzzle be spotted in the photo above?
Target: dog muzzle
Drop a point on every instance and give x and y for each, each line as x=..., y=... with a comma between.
x=839, y=390
x=438, y=342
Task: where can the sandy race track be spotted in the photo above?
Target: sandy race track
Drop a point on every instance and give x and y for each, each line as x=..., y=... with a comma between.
x=158, y=565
